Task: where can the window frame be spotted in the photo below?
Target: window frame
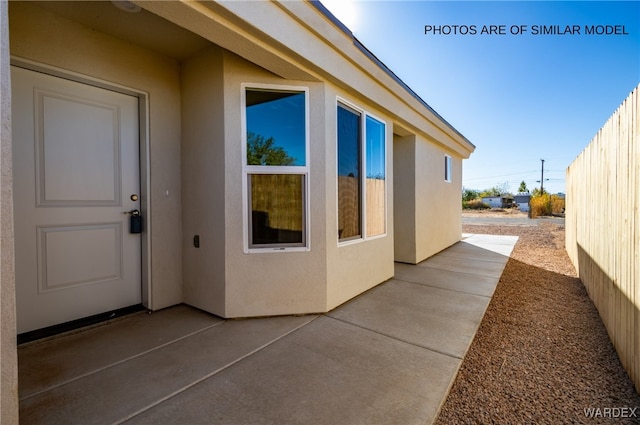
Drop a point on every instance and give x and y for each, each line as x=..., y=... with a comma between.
x=447, y=168
x=363, y=173
x=248, y=170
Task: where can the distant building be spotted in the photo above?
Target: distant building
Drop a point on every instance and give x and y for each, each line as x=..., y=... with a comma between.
x=522, y=201
x=503, y=201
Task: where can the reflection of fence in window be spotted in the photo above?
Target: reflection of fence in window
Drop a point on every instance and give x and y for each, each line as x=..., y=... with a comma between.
x=349, y=207
x=277, y=204
x=375, y=207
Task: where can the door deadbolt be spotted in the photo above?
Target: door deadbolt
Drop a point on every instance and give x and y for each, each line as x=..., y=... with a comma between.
x=134, y=197
x=135, y=221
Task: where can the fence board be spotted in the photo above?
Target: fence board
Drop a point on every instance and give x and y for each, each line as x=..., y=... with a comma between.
x=603, y=227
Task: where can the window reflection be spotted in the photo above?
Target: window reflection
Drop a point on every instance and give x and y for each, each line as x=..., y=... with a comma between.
x=348, y=173
x=275, y=128
x=375, y=205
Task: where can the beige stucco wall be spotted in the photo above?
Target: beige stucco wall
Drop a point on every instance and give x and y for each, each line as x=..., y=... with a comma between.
x=220, y=277
x=8, y=354
x=203, y=181
x=272, y=283
x=438, y=203
x=46, y=38
x=427, y=207
x=404, y=188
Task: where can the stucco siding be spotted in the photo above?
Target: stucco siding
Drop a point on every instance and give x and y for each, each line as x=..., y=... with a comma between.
x=427, y=208
x=404, y=188
x=203, y=181
x=438, y=202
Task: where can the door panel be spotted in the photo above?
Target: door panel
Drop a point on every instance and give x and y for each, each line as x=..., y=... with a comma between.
x=59, y=248
x=76, y=164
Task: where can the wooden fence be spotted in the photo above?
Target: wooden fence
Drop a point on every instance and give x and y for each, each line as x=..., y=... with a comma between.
x=603, y=227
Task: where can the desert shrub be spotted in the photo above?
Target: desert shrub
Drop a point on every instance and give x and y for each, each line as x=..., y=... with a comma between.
x=546, y=204
x=540, y=205
x=476, y=204
x=557, y=204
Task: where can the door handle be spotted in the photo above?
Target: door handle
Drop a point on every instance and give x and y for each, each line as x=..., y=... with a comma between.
x=132, y=212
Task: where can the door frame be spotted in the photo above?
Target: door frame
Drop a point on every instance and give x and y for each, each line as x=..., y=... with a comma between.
x=144, y=147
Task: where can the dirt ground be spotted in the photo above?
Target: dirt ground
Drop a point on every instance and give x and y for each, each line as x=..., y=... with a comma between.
x=542, y=354
x=495, y=212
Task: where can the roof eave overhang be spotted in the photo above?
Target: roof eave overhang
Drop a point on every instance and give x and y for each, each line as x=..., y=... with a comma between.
x=323, y=49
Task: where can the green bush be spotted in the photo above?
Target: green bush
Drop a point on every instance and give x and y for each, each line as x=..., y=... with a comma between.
x=470, y=195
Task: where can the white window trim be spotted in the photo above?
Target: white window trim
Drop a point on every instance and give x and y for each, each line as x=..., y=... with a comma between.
x=447, y=168
x=257, y=169
x=363, y=201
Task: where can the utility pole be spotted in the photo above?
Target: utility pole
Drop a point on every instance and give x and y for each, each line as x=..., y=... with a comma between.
x=542, y=178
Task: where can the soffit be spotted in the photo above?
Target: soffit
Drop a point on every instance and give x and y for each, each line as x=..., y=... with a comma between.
x=142, y=28
x=218, y=22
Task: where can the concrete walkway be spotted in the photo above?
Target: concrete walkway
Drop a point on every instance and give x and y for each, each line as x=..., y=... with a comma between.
x=388, y=356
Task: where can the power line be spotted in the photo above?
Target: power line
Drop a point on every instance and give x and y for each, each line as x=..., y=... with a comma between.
x=503, y=175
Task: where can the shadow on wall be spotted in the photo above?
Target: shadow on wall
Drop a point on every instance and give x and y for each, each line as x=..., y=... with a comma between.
x=619, y=314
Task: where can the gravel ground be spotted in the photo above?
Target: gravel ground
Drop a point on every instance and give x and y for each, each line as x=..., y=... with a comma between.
x=541, y=354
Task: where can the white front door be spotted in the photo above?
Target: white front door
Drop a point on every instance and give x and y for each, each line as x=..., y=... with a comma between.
x=75, y=169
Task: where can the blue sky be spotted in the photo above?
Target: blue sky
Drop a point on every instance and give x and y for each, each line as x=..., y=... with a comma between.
x=518, y=98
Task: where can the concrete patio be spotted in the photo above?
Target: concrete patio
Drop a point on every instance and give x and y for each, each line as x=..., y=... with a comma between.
x=388, y=356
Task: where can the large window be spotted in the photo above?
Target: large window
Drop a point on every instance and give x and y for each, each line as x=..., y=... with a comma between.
x=361, y=174
x=276, y=167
